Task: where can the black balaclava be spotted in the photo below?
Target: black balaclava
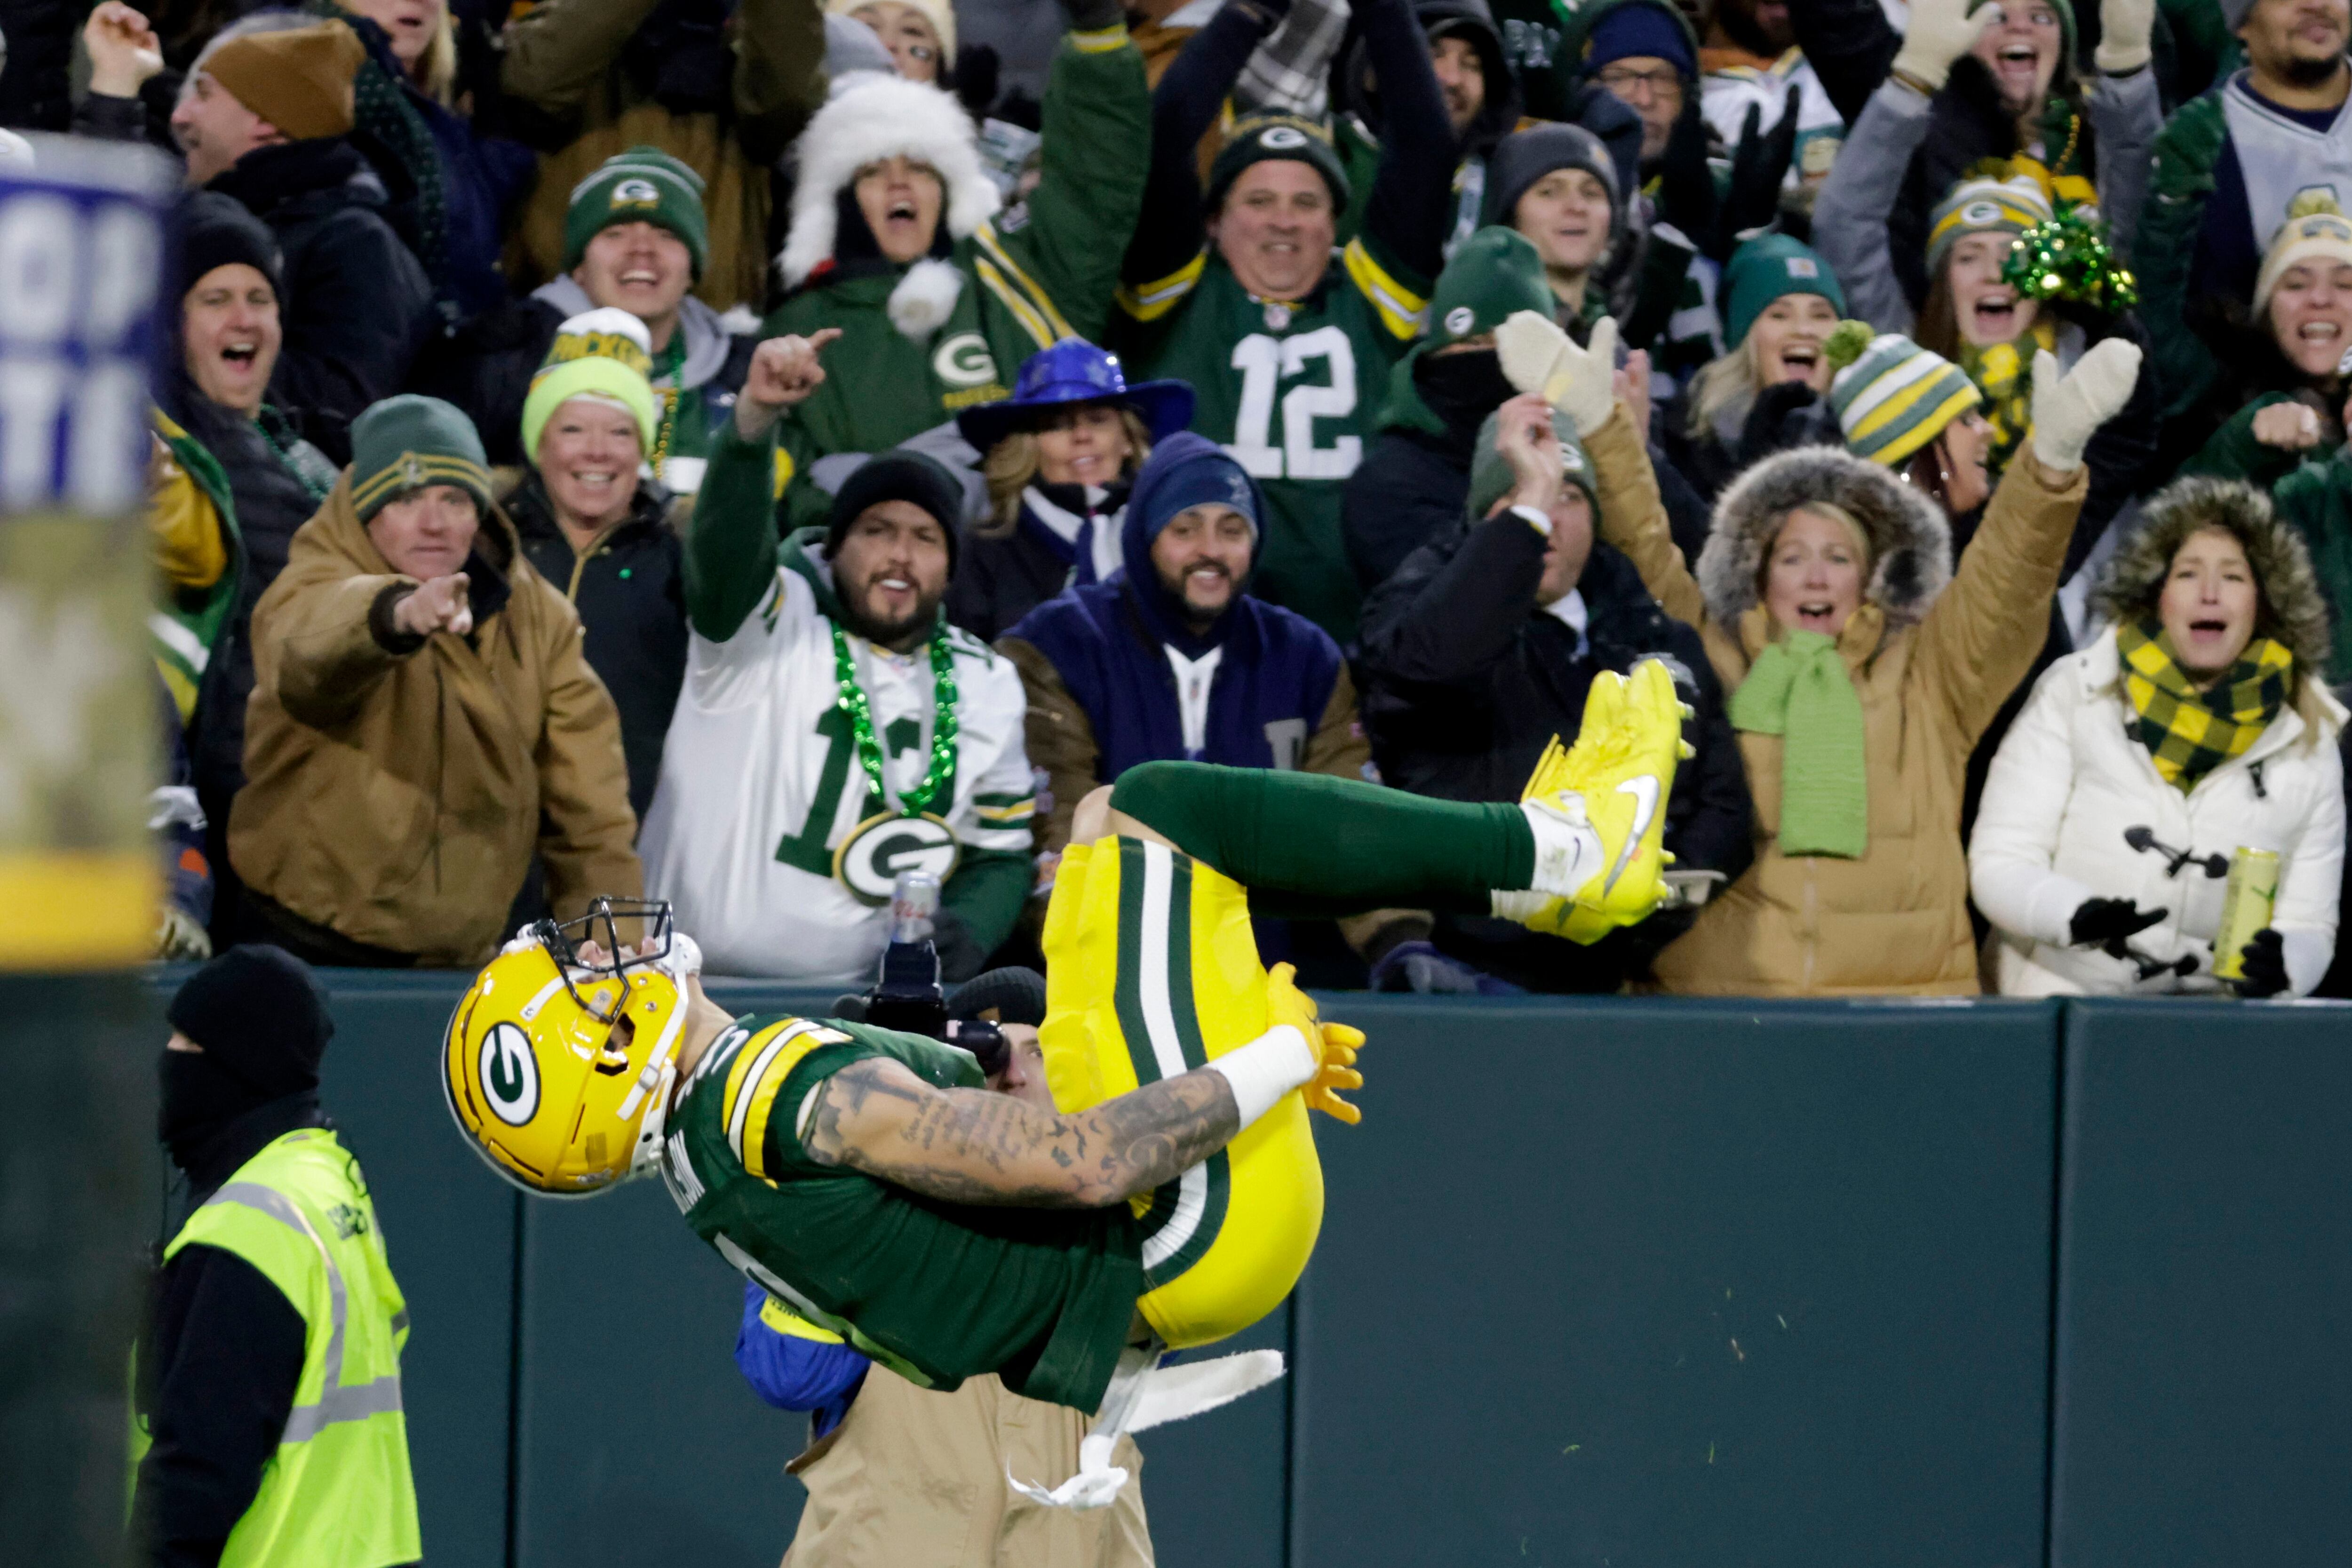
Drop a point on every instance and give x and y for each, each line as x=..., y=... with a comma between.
x=1462, y=389
x=262, y=1020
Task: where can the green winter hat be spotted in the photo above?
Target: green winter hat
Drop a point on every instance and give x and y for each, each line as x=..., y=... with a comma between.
x=1772, y=266
x=1263, y=136
x=1490, y=472
x=1892, y=397
x=1497, y=270
x=408, y=442
x=644, y=185
x=605, y=354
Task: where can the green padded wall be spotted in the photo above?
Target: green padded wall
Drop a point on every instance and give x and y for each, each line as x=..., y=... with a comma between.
x=2204, y=1408
x=1683, y=1283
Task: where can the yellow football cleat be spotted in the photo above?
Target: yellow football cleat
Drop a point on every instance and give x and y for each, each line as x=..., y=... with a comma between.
x=1597, y=809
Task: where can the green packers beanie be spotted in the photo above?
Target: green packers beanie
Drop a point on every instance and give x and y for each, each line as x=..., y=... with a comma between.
x=1496, y=272
x=1772, y=266
x=408, y=442
x=605, y=354
x=1892, y=397
x=1265, y=136
x=1490, y=472
x=644, y=185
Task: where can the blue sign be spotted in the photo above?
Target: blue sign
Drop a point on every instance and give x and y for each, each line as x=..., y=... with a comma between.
x=82, y=259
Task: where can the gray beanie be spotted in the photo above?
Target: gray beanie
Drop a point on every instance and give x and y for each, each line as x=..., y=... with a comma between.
x=1490, y=472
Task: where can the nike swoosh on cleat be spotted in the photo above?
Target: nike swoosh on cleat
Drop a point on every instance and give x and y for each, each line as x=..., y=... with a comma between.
x=1644, y=788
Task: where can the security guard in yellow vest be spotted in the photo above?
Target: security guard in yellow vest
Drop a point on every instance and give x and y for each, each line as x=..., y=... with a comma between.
x=267, y=1427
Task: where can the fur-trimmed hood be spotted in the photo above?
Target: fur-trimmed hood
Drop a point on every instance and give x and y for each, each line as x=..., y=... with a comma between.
x=871, y=117
x=1910, y=541
x=2291, y=608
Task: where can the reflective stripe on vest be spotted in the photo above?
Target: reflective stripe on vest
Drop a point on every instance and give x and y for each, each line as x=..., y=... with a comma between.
x=338, y=1491
x=336, y=1403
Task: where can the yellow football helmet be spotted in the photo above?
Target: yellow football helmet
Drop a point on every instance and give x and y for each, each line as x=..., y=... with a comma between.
x=558, y=1067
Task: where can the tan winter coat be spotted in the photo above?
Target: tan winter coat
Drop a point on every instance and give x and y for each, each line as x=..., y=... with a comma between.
x=915, y=1478
x=396, y=799
x=1932, y=665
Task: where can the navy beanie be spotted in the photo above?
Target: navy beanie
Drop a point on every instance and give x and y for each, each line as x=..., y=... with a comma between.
x=1188, y=470
x=1636, y=28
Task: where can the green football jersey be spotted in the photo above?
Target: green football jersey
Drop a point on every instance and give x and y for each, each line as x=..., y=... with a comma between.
x=936, y=1292
x=1293, y=389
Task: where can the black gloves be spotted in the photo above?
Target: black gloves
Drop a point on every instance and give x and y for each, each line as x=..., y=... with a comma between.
x=2265, y=963
x=1759, y=165
x=2100, y=921
x=1686, y=183
x=1786, y=413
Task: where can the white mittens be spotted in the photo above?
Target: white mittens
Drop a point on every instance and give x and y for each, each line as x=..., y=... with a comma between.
x=2125, y=29
x=2067, y=411
x=1537, y=356
x=1941, y=32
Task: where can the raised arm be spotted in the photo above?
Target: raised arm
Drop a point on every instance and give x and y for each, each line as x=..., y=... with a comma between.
x=969, y=1146
x=780, y=77
x=1167, y=235
x=1980, y=635
x=730, y=548
x=1411, y=195
x=1850, y=216
x=558, y=50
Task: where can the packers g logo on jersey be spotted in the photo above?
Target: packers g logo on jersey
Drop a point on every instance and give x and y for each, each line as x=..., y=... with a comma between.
x=879, y=848
x=964, y=360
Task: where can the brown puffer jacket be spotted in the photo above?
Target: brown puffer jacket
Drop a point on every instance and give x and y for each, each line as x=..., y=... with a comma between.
x=1933, y=655
x=395, y=798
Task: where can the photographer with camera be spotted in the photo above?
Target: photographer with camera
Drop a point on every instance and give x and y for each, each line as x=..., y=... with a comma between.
x=873, y=1433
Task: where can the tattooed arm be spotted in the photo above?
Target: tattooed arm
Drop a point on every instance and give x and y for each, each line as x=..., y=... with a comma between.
x=971, y=1146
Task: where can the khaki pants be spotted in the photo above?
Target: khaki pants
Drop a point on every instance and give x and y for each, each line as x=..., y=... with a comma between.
x=912, y=1478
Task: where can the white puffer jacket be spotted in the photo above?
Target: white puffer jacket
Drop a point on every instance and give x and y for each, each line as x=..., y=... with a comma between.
x=2071, y=780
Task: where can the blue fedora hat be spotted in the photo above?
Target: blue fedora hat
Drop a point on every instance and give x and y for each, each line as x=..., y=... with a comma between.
x=1073, y=371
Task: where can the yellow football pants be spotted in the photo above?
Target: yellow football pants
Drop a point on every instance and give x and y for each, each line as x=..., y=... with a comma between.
x=1151, y=969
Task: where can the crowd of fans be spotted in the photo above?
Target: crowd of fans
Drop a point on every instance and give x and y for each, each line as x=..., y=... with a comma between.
x=738, y=452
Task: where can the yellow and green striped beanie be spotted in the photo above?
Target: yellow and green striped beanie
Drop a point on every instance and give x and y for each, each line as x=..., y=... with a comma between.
x=408, y=442
x=1892, y=397
x=1984, y=206
x=605, y=354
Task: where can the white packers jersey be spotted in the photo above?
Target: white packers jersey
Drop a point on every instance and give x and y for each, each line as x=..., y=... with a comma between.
x=760, y=783
x=1726, y=96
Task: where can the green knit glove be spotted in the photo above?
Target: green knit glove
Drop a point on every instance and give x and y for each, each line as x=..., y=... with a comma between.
x=1798, y=689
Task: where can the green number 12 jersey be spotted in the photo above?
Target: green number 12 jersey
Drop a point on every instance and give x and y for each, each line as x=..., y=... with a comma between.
x=1293, y=389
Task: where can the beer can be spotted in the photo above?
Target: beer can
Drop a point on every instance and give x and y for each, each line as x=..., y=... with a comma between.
x=2245, y=908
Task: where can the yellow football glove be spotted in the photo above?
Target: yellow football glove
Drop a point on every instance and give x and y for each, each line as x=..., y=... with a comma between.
x=1334, y=1045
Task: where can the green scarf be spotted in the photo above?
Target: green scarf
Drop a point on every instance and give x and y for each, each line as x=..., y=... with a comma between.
x=2189, y=732
x=1798, y=687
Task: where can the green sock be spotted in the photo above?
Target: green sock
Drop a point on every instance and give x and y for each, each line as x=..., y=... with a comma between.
x=1308, y=846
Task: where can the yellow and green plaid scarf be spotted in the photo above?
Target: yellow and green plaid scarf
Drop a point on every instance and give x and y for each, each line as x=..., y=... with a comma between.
x=2189, y=732
x=2004, y=373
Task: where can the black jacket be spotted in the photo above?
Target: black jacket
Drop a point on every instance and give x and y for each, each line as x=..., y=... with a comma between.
x=1465, y=678
x=357, y=304
x=218, y=1367
x=998, y=581
x=35, y=89
x=272, y=503
x=630, y=590
x=485, y=367
x=1410, y=489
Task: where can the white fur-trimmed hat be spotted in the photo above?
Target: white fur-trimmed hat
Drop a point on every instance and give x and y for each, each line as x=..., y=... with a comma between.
x=870, y=118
